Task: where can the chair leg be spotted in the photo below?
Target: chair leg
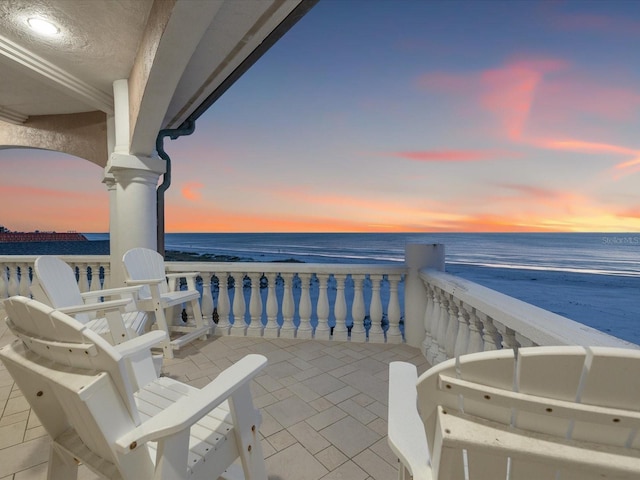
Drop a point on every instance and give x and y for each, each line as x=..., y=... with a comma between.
x=161, y=322
x=62, y=466
x=246, y=420
x=197, y=316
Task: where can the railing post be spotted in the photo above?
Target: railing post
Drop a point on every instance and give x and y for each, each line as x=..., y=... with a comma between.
x=224, y=306
x=418, y=256
x=376, y=334
x=239, y=308
x=271, y=328
x=305, y=329
x=3, y=281
x=394, y=335
x=288, y=329
x=340, y=331
x=323, y=332
x=206, y=304
x=24, y=287
x=255, y=306
x=358, y=332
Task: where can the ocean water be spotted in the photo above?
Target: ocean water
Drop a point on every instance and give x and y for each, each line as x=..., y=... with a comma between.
x=593, y=278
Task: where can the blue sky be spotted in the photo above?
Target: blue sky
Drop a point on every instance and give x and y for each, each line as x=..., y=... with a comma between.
x=414, y=115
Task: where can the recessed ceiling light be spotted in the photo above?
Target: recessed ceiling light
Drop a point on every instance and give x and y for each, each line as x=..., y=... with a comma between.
x=42, y=26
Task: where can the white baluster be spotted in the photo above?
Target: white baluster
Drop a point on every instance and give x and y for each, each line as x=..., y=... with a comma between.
x=462, y=339
x=83, y=277
x=239, y=308
x=304, y=308
x=271, y=328
x=442, y=328
x=25, y=283
x=106, y=281
x=223, y=308
x=323, y=332
x=206, y=302
x=376, y=334
x=476, y=344
x=3, y=282
x=428, y=320
x=358, y=332
x=394, y=335
x=452, y=329
x=340, y=331
x=94, y=284
x=508, y=336
x=432, y=354
x=491, y=336
x=288, y=329
x=255, y=307
x=14, y=284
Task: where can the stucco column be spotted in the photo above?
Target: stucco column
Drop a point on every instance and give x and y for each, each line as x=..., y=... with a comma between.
x=418, y=256
x=133, y=220
x=110, y=183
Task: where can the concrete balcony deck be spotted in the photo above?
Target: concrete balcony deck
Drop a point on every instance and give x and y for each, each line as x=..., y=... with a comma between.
x=324, y=407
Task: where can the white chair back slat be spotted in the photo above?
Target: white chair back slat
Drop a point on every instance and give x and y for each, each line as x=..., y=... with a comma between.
x=539, y=375
x=603, y=385
x=92, y=352
x=515, y=415
x=143, y=263
x=55, y=278
x=483, y=466
x=496, y=370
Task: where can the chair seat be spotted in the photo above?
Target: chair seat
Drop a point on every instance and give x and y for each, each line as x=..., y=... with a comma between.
x=133, y=321
x=213, y=433
x=174, y=298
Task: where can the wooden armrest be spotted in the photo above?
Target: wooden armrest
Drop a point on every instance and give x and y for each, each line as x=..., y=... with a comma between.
x=188, y=410
x=407, y=437
x=109, y=305
x=109, y=292
x=143, y=342
x=147, y=281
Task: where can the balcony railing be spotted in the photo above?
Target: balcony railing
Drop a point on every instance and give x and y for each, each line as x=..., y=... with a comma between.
x=416, y=303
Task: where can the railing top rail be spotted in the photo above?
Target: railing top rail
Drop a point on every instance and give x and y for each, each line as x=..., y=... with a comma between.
x=537, y=324
x=285, y=267
x=66, y=258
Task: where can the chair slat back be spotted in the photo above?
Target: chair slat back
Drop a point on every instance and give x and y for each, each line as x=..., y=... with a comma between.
x=62, y=339
x=583, y=394
x=144, y=264
x=57, y=281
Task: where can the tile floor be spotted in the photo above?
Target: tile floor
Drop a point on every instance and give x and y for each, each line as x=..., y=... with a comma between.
x=324, y=407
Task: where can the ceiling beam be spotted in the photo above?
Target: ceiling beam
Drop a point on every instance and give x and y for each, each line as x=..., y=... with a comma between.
x=14, y=55
x=11, y=116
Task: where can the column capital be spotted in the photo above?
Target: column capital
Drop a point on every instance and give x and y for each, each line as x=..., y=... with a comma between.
x=119, y=162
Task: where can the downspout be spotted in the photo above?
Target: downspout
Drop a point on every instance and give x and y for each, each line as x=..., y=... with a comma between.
x=186, y=128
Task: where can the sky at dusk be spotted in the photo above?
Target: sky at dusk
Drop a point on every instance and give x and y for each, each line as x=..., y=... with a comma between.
x=405, y=115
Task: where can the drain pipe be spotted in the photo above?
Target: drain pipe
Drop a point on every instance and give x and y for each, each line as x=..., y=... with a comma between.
x=187, y=128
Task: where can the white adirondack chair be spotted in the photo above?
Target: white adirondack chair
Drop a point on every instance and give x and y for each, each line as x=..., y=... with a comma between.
x=557, y=413
x=103, y=405
x=159, y=294
x=55, y=284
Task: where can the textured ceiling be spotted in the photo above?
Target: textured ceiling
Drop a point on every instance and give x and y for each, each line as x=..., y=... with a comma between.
x=99, y=41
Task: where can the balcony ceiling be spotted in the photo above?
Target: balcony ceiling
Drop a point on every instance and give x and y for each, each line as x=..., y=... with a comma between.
x=99, y=40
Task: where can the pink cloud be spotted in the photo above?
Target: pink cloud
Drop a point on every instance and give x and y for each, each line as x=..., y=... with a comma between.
x=453, y=155
x=190, y=191
x=509, y=92
x=561, y=99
